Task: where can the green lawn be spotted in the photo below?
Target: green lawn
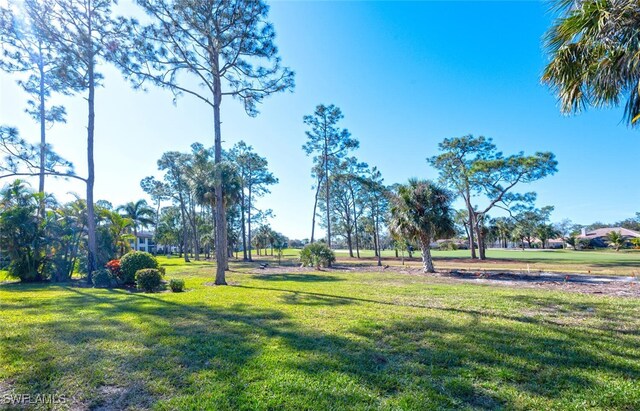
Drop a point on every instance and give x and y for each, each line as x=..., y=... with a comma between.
x=320, y=340
x=625, y=262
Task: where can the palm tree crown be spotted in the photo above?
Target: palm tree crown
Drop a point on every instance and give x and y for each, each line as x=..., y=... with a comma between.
x=594, y=50
x=140, y=214
x=421, y=212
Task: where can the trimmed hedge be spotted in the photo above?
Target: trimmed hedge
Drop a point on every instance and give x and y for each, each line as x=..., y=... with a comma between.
x=176, y=285
x=134, y=261
x=102, y=278
x=148, y=279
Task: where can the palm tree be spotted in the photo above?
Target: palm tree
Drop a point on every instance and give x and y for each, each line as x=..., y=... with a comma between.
x=616, y=240
x=545, y=233
x=594, y=47
x=139, y=213
x=119, y=227
x=421, y=212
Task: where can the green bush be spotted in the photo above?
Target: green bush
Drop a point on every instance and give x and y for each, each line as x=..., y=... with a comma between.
x=102, y=278
x=447, y=246
x=176, y=285
x=148, y=279
x=317, y=255
x=133, y=261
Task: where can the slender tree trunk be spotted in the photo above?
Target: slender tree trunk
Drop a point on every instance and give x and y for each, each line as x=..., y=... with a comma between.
x=315, y=208
x=249, y=223
x=221, y=228
x=472, y=245
x=135, y=240
x=375, y=241
x=91, y=218
x=479, y=232
x=43, y=138
x=427, y=261
x=355, y=221
x=377, y=234
x=185, y=233
x=349, y=243
x=243, y=224
x=357, y=239
x=326, y=187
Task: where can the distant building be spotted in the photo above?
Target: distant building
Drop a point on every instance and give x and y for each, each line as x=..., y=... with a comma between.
x=144, y=242
x=598, y=237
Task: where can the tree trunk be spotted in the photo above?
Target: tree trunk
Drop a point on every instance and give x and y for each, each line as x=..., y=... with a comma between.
x=327, y=194
x=249, y=223
x=243, y=224
x=355, y=223
x=221, y=227
x=349, y=243
x=427, y=261
x=377, y=235
x=472, y=245
x=43, y=139
x=315, y=208
x=375, y=243
x=185, y=233
x=91, y=218
x=481, y=246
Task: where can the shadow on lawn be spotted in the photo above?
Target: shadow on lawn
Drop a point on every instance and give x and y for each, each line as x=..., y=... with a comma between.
x=302, y=278
x=138, y=351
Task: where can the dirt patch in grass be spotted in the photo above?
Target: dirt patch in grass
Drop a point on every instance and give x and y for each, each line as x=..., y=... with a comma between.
x=576, y=283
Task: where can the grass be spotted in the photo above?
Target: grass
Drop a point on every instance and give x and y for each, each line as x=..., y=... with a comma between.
x=320, y=340
x=609, y=262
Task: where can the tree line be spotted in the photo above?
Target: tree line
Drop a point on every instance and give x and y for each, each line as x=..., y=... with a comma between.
x=206, y=49
x=215, y=49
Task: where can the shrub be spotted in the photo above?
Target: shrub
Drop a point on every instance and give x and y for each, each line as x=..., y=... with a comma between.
x=317, y=255
x=148, y=279
x=116, y=270
x=102, y=278
x=134, y=261
x=447, y=246
x=176, y=285
x=163, y=270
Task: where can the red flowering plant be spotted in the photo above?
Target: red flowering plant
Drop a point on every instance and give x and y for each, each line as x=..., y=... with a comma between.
x=114, y=267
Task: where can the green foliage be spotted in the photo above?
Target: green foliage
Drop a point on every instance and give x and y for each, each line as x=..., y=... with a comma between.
x=317, y=255
x=133, y=261
x=616, y=240
x=22, y=233
x=594, y=51
x=447, y=246
x=421, y=212
x=148, y=279
x=176, y=285
x=102, y=278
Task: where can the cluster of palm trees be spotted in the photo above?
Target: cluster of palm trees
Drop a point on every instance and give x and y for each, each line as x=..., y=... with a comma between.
x=37, y=245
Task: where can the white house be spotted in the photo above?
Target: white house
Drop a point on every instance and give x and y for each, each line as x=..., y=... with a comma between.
x=143, y=242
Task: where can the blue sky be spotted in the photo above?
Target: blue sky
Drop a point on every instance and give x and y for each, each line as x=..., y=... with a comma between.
x=405, y=74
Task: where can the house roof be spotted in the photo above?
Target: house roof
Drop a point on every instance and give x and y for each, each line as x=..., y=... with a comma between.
x=603, y=232
x=145, y=234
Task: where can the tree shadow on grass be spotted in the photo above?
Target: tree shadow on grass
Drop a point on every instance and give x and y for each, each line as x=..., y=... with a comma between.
x=140, y=351
x=301, y=278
